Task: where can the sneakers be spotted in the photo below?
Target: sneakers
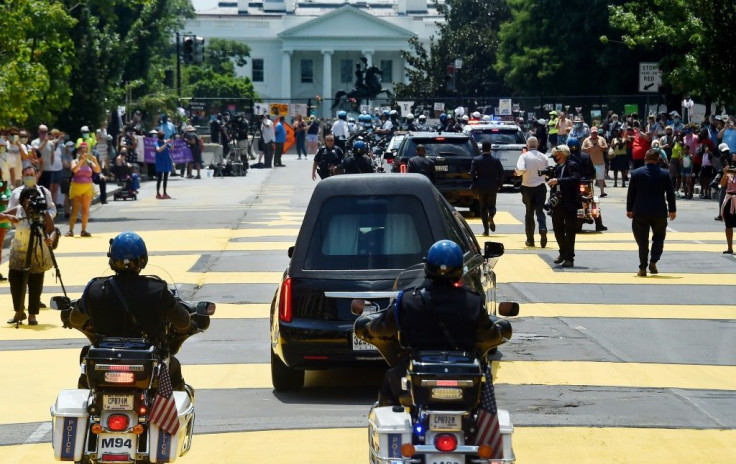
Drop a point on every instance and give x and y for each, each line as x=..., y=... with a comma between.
x=602, y=195
x=642, y=273
x=568, y=263
x=558, y=260
x=727, y=252
x=159, y=196
x=543, y=239
x=653, y=268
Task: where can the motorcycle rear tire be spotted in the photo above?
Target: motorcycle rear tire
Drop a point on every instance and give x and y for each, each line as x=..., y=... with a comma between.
x=283, y=377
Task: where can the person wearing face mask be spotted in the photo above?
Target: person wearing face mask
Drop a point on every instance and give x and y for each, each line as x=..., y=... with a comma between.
x=566, y=183
x=81, y=190
x=677, y=125
x=88, y=138
x=580, y=130
x=21, y=277
x=17, y=151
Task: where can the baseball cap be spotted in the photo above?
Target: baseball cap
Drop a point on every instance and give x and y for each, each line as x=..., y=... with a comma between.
x=85, y=129
x=577, y=119
x=189, y=129
x=553, y=113
x=723, y=147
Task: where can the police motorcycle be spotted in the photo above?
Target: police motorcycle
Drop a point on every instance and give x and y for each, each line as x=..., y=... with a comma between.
x=113, y=419
x=447, y=406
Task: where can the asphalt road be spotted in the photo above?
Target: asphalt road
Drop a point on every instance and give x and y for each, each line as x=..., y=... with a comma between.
x=604, y=366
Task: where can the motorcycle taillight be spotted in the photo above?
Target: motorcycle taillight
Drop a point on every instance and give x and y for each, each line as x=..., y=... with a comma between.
x=117, y=422
x=445, y=442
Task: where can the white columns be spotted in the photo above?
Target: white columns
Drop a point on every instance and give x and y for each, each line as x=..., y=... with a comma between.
x=326, y=81
x=368, y=54
x=286, y=74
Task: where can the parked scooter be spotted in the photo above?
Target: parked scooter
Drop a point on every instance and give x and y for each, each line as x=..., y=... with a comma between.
x=448, y=412
x=114, y=419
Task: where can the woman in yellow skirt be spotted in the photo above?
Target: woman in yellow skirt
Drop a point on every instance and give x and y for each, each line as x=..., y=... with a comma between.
x=81, y=190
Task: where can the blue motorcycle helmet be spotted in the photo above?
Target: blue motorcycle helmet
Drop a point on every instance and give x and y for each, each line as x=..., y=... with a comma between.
x=444, y=261
x=573, y=144
x=127, y=253
x=360, y=148
x=342, y=114
x=443, y=117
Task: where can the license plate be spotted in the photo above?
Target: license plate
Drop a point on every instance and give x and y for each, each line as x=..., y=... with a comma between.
x=117, y=402
x=445, y=422
x=445, y=459
x=117, y=443
x=441, y=167
x=361, y=345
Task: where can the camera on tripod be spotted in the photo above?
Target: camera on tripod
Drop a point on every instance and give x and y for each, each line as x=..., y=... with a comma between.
x=36, y=208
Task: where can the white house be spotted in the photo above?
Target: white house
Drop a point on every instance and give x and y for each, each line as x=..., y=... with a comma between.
x=304, y=48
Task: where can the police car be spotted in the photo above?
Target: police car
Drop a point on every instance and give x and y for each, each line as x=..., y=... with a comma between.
x=507, y=143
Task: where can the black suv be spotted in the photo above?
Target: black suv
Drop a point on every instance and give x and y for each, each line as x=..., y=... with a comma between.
x=452, y=154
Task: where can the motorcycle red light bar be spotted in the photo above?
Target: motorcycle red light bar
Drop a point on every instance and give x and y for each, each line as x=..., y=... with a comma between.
x=115, y=457
x=118, y=422
x=285, y=313
x=440, y=139
x=119, y=377
x=119, y=367
x=445, y=442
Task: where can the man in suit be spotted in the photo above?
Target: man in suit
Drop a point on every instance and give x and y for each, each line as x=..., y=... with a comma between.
x=645, y=206
x=487, y=174
x=565, y=215
x=420, y=164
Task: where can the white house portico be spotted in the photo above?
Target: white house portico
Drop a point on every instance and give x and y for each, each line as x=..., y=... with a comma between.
x=313, y=48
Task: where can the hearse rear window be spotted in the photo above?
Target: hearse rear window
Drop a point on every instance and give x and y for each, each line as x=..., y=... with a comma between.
x=450, y=146
x=364, y=233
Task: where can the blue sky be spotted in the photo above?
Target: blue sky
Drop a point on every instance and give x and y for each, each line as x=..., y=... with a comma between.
x=204, y=4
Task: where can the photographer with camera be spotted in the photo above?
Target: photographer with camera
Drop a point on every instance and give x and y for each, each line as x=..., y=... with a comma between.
x=32, y=211
x=564, y=203
x=530, y=167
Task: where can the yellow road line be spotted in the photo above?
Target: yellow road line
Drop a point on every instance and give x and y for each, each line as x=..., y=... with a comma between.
x=607, y=246
x=44, y=372
x=501, y=218
x=707, y=312
x=532, y=268
x=549, y=445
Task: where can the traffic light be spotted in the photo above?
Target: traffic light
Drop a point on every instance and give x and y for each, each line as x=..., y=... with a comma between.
x=451, y=77
x=198, y=49
x=189, y=46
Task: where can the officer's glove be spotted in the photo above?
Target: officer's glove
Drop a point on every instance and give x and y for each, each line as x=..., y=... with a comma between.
x=65, y=315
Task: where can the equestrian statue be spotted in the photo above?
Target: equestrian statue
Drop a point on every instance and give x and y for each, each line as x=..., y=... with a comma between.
x=367, y=85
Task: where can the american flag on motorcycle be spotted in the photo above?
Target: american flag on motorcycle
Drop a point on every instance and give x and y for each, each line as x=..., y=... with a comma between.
x=164, y=413
x=488, y=430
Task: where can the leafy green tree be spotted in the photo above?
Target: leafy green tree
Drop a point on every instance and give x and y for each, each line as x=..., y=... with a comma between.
x=553, y=47
x=36, y=55
x=216, y=77
x=693, y=40
x=469, y=32
x=116, y=42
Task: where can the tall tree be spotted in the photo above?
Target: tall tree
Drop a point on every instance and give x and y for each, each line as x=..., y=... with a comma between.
x=469, y=32
x=116, y=42
x=693, y=40
x=553, y=47
x=36, y=55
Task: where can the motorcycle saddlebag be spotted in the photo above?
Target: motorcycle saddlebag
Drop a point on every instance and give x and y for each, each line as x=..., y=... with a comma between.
x=70, y=420
x=120, y=362
x=388, y=430
x=165, y=447
x=445, y=379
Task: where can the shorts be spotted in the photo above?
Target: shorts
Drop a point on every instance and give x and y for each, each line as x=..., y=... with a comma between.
x=600, y=172
x=312, y=138
x=16, y=164
x=50, y=177
x=686, y=172
x=81, y=189
x=197, y=157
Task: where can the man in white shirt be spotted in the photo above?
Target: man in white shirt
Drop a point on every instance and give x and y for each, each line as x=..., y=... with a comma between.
x=340, y=130
x=50, y=160
x=269, y=137
x=533, y=190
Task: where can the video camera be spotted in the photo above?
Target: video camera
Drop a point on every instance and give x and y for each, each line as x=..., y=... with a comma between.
x=548, y=172
x=238, y=126
x=37, y=207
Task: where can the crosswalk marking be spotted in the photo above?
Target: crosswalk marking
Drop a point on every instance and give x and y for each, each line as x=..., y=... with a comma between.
x=532, y=268
x=550, y=445
x=44, y=372
x=628, y=311
x=501, y=218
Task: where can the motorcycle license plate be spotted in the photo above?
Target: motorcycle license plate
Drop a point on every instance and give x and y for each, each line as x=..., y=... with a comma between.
x=441, y=167
x=117, y=443
x=445, y=422
x=117, y=402
x=360, y=345
x=445, y=459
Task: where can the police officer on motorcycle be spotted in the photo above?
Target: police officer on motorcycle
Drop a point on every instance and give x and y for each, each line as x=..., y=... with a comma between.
x=359, y=161
x=387, y=126
x=436, y=315
x=422, y=124
x=129, y=305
